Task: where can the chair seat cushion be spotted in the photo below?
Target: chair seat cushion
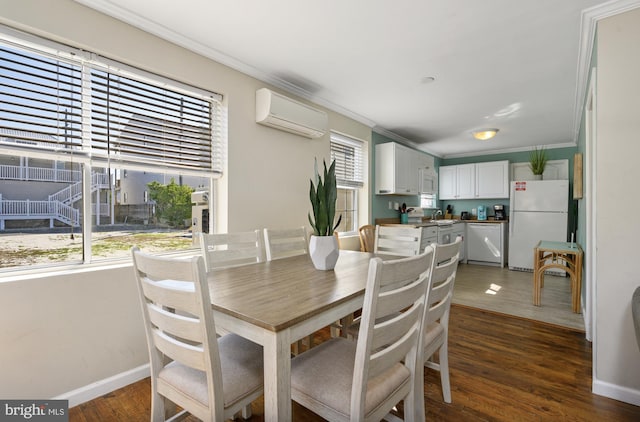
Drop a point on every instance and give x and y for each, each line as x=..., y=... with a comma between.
x=242, y=372
x=324, y=376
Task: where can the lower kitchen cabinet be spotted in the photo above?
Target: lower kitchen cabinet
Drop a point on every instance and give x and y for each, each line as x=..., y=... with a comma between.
x=429, y=236
x=487, y=243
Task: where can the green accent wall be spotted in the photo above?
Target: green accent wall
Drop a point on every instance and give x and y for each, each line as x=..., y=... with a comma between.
x=380, y=203
x=513, y=157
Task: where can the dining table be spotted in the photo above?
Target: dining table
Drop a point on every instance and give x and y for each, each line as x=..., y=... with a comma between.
x=276, y=303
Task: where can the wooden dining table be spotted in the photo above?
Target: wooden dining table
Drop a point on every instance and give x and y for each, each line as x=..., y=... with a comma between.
x=278, y=302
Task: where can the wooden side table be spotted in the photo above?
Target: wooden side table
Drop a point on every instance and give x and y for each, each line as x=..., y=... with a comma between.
x=563, y=255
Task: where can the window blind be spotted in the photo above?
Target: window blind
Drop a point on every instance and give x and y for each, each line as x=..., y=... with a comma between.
x=131, y=117
x=41, y=101
x=137, y=121
x=348, y=154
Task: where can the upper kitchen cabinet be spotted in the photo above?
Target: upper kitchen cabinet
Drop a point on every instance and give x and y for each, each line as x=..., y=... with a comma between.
x=457, y=182
x=492, y=179
x=396, y=170
x=475, y=181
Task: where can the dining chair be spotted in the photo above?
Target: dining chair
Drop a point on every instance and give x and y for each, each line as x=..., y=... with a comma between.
x=345, y=380
x=436, y=333
x=212, y=379
x=232, y=249
x=394, y=240
x=283, y=243
x=367, y=237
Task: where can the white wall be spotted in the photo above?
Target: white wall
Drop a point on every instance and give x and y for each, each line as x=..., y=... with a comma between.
x=54, y=339
x=616, y=354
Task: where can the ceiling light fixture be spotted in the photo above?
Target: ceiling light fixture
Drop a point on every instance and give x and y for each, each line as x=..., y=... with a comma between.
x=485, y=134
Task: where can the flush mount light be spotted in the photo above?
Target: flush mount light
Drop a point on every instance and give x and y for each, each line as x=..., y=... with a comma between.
x=485, y=134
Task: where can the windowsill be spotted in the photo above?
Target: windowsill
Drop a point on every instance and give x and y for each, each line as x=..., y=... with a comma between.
x=43, y=272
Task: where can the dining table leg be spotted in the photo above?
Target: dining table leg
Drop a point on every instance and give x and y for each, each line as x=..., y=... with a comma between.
x=277, y=377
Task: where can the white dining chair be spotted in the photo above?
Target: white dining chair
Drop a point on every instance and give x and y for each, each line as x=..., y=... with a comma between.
x=232, y=249
x=283, y=243
x=343, y=380
x=395, y=240
x=212, y=379
x=436, y=333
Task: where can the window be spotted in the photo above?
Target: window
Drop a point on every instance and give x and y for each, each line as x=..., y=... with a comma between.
x=348, y=155
x=428, y=201
x=96, y=157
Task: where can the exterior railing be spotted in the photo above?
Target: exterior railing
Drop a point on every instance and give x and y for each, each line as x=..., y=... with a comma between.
x=39, y=174
x=58, y=205
x=27, y=209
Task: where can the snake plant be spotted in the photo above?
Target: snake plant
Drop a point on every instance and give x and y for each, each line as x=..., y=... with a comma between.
x=323, y=195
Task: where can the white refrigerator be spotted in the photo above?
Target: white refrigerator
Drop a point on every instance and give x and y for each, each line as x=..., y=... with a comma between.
x=537, y=211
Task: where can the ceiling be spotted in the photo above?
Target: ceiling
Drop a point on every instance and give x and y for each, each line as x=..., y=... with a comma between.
x=519, y=66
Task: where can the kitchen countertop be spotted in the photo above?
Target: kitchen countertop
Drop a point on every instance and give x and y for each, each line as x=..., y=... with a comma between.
x=426, y=222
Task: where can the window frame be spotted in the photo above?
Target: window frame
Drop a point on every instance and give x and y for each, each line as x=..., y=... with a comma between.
x=349, y=175
x=81, y=154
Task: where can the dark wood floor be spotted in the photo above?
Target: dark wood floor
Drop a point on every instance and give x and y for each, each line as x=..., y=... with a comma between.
x=503, y=368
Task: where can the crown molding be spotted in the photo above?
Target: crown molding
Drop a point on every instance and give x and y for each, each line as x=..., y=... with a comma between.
x=509, y=150
x=588, y=26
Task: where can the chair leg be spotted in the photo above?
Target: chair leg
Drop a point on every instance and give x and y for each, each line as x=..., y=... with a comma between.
x=246, y=412
x=443, y=358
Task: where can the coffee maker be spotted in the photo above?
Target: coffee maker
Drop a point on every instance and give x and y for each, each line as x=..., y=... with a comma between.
x=499, y=213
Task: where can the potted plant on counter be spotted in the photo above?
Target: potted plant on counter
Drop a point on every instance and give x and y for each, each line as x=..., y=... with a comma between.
x=323, y=246
x=537, y=162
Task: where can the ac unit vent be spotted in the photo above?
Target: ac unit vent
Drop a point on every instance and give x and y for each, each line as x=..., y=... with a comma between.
x=280, y=112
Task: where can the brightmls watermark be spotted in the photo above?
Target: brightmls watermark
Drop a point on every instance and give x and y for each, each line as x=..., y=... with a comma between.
x=34, y=410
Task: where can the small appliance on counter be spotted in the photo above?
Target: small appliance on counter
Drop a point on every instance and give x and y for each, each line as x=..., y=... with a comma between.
x=414, y=215
x=499, y=213
x=464, y=215
x=482, y=213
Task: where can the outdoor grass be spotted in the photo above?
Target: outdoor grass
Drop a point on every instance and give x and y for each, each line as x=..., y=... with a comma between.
x=64, y=248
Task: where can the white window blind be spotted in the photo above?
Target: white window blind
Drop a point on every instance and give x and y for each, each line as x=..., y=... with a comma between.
x=137, y=121
x=41, y=101
x=131, y=117
x=348, y=154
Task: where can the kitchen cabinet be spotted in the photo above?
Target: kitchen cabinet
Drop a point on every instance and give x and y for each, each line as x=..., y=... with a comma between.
x=492, y=179
x=487, y=243
x=396, y=170
x=457, y=182
x=429, y=236
x=475, y=181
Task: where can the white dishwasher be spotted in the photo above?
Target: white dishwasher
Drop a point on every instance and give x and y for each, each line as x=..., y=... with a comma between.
x=485, y=243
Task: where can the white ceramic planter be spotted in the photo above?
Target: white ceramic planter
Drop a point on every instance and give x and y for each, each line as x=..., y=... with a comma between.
x=324, y=252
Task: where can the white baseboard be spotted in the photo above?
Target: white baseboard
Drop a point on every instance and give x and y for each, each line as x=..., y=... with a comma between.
x=616, y=392
x=107, y=385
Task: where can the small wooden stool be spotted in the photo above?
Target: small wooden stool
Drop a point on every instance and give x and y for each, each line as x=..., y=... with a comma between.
x=563, y=255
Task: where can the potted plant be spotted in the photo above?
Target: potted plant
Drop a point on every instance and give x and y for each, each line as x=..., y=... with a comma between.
x=537, y=162
x=323, y=246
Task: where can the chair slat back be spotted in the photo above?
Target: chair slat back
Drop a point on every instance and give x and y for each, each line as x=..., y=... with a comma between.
x=282, y=243
x=442, y=281
x=391, y=322
x=367, y=237
x=394, y=240
x=179, y=324
x=232, y=249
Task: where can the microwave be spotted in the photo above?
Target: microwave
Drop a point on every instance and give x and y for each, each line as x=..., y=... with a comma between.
x=428, y=181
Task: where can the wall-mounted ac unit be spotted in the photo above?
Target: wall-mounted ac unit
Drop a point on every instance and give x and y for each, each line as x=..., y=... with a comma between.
x=280, y=112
